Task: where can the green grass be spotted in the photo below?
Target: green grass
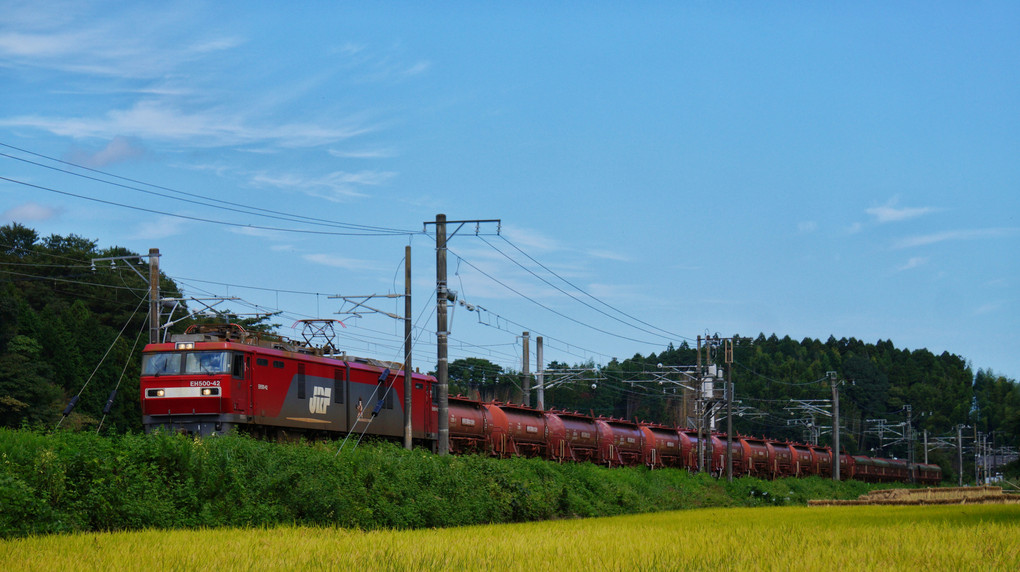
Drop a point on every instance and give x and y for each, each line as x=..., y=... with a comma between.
x=815, y=538
x=73, y=482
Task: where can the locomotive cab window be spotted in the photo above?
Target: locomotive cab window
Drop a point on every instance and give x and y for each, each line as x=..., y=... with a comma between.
x=207, y=362
x=176, y=363
x=161, y=364
x=238, y=366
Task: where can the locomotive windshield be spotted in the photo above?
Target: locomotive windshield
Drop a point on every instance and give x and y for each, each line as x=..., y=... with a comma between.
x=183, y=363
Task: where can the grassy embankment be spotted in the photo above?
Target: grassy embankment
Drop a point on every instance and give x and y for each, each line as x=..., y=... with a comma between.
x=70, y=482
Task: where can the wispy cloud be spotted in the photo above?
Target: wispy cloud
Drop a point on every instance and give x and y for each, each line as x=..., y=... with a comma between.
x=336, y=186
x=953, y=235
x=609, y=255
x=378, y=153
x=340, y=262
x=914, y=263
x=889, y=212
x=989, y=308
x=159, y=120
x=162, y=227
x=29, y=212
x=530, y=240
x=117, y=150
x=807, y=227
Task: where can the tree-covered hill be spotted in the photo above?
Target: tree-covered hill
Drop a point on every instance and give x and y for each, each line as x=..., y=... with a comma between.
x=59, y=316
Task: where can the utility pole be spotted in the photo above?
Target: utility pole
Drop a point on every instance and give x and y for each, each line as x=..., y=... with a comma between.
x=443, y=294
x=442, y=335
x=835, y=425
x=910, y=443
x=959, y=454
x=526, y=371
x=729, y=410
x=540, y=373
x=408, y=385
x=925, y=446
x=977, y=467
x=153, y=295
x=700, y=411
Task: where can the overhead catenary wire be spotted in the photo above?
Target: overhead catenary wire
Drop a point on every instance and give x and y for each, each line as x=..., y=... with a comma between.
x=196, y=198
x=198, y=219
x=547, y=308
x=658, y=331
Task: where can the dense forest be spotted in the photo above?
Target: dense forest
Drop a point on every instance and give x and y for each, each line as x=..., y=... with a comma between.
x=69, y=328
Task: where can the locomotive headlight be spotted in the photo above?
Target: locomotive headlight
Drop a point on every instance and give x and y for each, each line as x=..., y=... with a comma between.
x=206, y=391
x=155, y=393
x=185, y=345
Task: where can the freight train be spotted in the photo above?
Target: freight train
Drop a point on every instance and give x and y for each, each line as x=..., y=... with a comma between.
x=216, y=379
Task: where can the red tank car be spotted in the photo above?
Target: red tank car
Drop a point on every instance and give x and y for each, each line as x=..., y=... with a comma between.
x=469, y=426
x=662, y=446
x=782, y=462
x=621, y=442
x=716, y=454
x=926, y=474
x=760, y=457
x=516, y=430
x=823, y=460
x=689, y=446
x=221, y=378
x=739, y=463
x=572, y=437
x=804, y=463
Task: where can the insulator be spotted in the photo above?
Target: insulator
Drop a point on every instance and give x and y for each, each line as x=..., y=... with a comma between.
x=109, y=402
x=70, y=406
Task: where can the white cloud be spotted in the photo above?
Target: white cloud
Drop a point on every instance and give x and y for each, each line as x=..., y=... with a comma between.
x=914, y=263
x=163, y=227
x=339, y=262
x=336, y=186
x=377, y=153
x=609, y=255
x=975, y=234
x=529, y=240
x=29, y=212
x=156, y=119
x=807, y=227
x=117, y=150
x=889, y=212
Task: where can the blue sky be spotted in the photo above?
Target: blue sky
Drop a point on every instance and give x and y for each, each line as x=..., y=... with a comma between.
x=661, y=169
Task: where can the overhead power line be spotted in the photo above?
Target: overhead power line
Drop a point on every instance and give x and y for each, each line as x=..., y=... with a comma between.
x=660, y=331
x=198, y=199
x=194, y=218
x=545, y=307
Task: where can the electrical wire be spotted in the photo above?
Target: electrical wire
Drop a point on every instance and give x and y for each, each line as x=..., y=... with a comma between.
x=575, y=298
x=194, y=218
x=205, y=201
x=543, y=306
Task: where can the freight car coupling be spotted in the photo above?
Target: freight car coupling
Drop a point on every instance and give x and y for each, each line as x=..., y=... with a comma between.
x=280, y=388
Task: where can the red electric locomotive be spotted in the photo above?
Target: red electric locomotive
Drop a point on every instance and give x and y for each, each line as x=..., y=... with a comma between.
x=214, y=379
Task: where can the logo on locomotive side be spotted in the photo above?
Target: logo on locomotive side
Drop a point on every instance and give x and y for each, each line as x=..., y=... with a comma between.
x=320, y=400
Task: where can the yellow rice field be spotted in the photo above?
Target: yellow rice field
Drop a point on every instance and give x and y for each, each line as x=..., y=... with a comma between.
x=961, y=537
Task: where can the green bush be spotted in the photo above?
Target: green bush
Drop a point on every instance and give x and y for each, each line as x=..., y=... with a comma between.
x=69, y=481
